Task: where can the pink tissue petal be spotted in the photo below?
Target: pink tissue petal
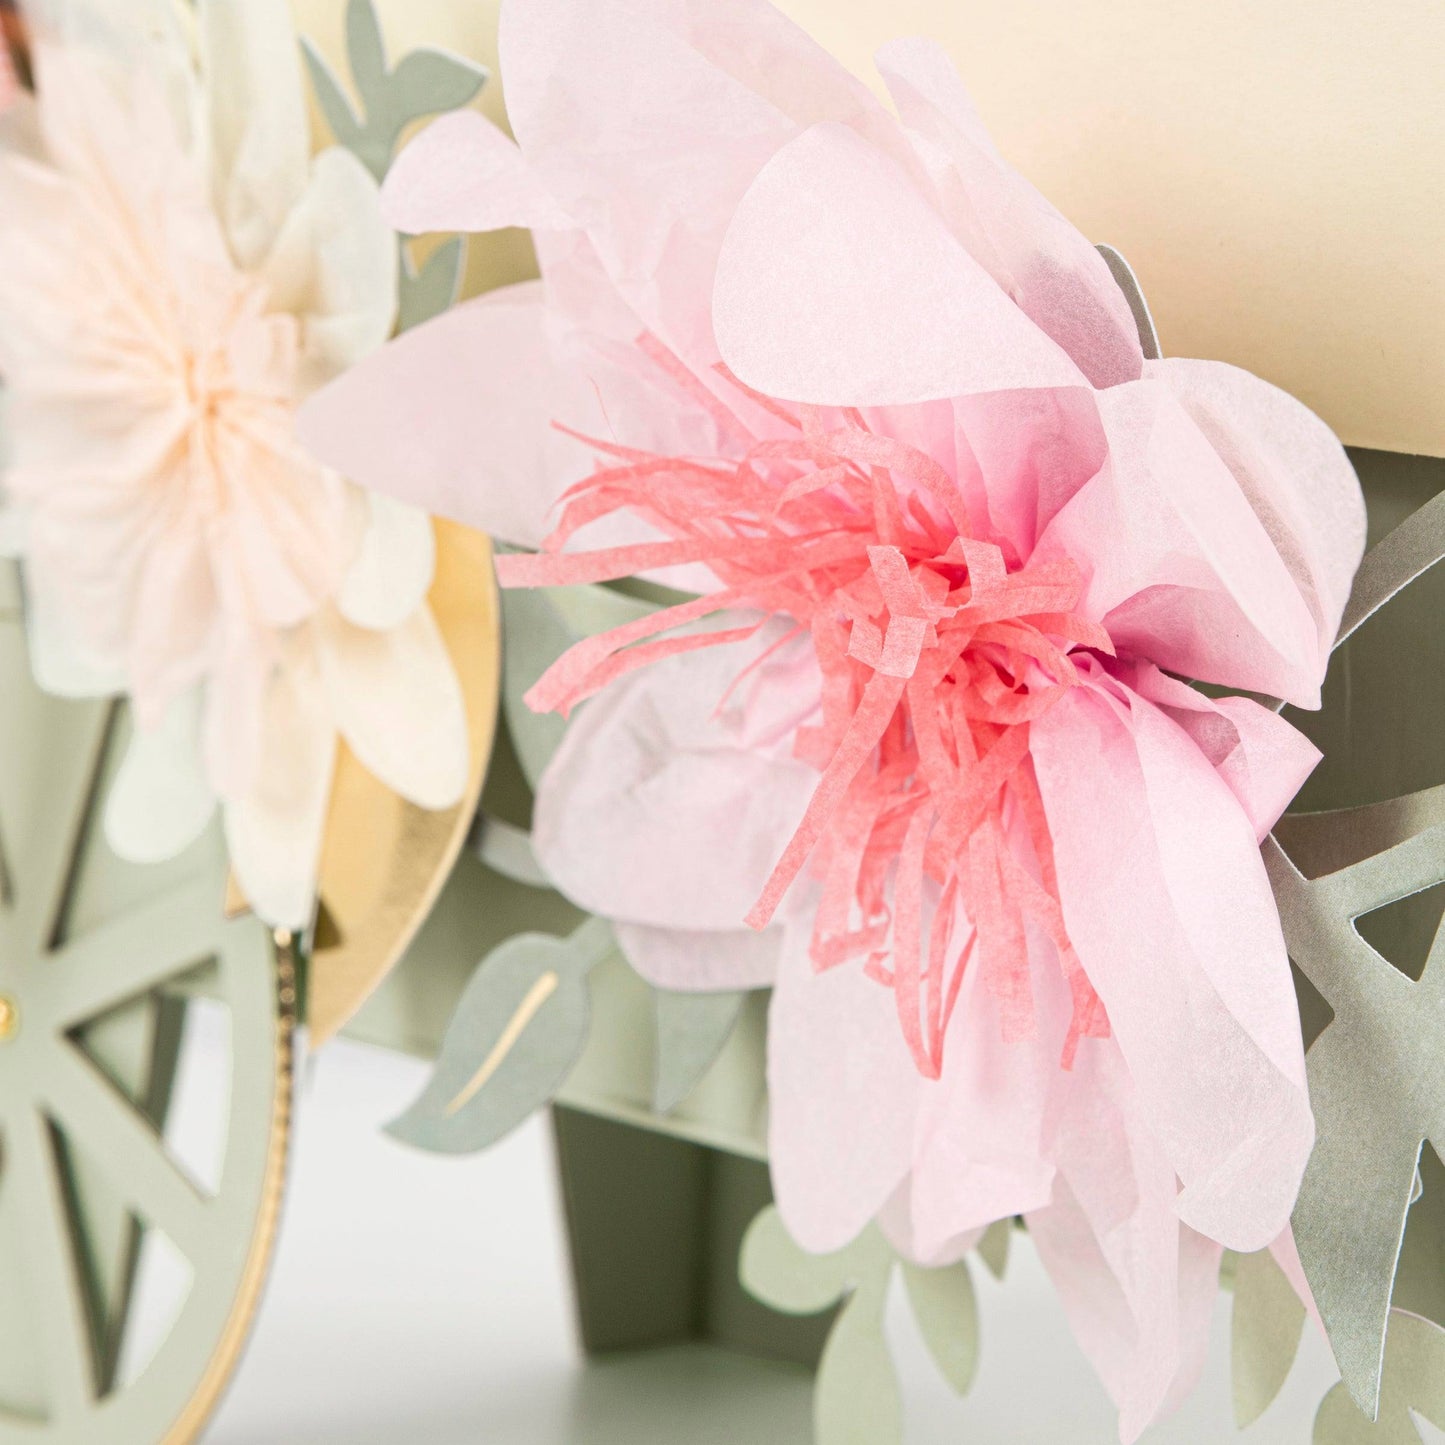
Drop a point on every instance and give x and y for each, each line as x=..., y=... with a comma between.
x=1286, y=1256
x=1259, y=755
x=843, y=1091
x=408, y=421
x=1138, y=1287
x=895, y=1220
x=1165, y=898
x=657, y=810
x=462, y=173
x=1021, y=456
x=1294, y=472
x=1183, y=573
x=838, y=284
x=692, y=961
x=979, y=1150
x=1051, y=271
x=711, y=92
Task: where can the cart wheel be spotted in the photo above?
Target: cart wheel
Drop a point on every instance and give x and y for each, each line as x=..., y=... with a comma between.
x=93, y=994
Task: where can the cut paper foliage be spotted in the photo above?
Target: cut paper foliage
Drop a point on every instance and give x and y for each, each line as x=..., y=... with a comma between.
x=856, y=1397
x=1413, y=1390
x=691, y=1031
x=518, y=1029
x=1267, y=1322
x=1375, y=1069
x=424, y=82
x=1374, y=1072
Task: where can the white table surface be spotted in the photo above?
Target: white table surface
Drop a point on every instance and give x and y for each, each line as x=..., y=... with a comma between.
x=419, y=1300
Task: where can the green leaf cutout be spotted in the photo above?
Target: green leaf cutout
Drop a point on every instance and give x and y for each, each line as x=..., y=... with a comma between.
x=533, y=638
x=507, y=849
x=539, y=625
x=342, y=119
x=425, y=82
x=691, y=1031
x=947, y=1313
x=428, y=81
x=777, y=1270
x=993, y=1247
x=431, y=290
x=365, y=49
x=1266, y=1325
x=517, y=1032
x=857, y=1397
x=856, y=1400
x=1413, y=1383
x=1374, y=1071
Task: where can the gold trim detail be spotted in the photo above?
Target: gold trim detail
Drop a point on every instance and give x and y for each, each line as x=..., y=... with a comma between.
x=202, y=1404
x=537, y=995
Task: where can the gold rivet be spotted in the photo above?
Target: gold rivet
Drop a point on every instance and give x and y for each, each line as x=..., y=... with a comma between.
x=9, y=1019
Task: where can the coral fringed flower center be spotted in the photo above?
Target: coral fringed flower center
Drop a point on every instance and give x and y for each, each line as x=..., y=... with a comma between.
x=937, y=649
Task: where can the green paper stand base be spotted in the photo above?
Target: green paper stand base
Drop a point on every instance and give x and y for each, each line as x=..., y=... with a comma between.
x=655, y=1225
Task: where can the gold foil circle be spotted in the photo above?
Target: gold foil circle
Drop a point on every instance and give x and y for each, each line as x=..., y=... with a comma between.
x=384, y=860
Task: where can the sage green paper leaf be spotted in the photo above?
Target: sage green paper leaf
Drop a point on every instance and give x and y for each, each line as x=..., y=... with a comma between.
x=691, y=1031
x=993, y=1247
x=425, y=82
x=1266, y=1324
x=1374, y=1071
x=428, y=81
x=507, y=849
x=947, y=1313
x=856, y=1400
x=777, y=1270
x=433, y=289
x=533, y=638
x=343, y=121
x=517, y=1032
x=365, y=49
x=539, y=625
x=1413, y=1381
x=785, y=1277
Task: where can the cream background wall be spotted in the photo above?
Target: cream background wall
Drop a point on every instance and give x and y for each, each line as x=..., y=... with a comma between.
x=1274, y=169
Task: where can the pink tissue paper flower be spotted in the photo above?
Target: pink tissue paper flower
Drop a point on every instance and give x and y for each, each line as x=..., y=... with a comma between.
x=918, y=753
x=176, y=273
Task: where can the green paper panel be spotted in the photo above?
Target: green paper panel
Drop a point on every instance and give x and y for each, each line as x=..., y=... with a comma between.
x=655, y=1225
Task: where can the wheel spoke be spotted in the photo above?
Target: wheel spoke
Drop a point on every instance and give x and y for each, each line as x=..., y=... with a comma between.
x=93, y=1114
x=110, y=965
x=41, y=842
x=48, y=1252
